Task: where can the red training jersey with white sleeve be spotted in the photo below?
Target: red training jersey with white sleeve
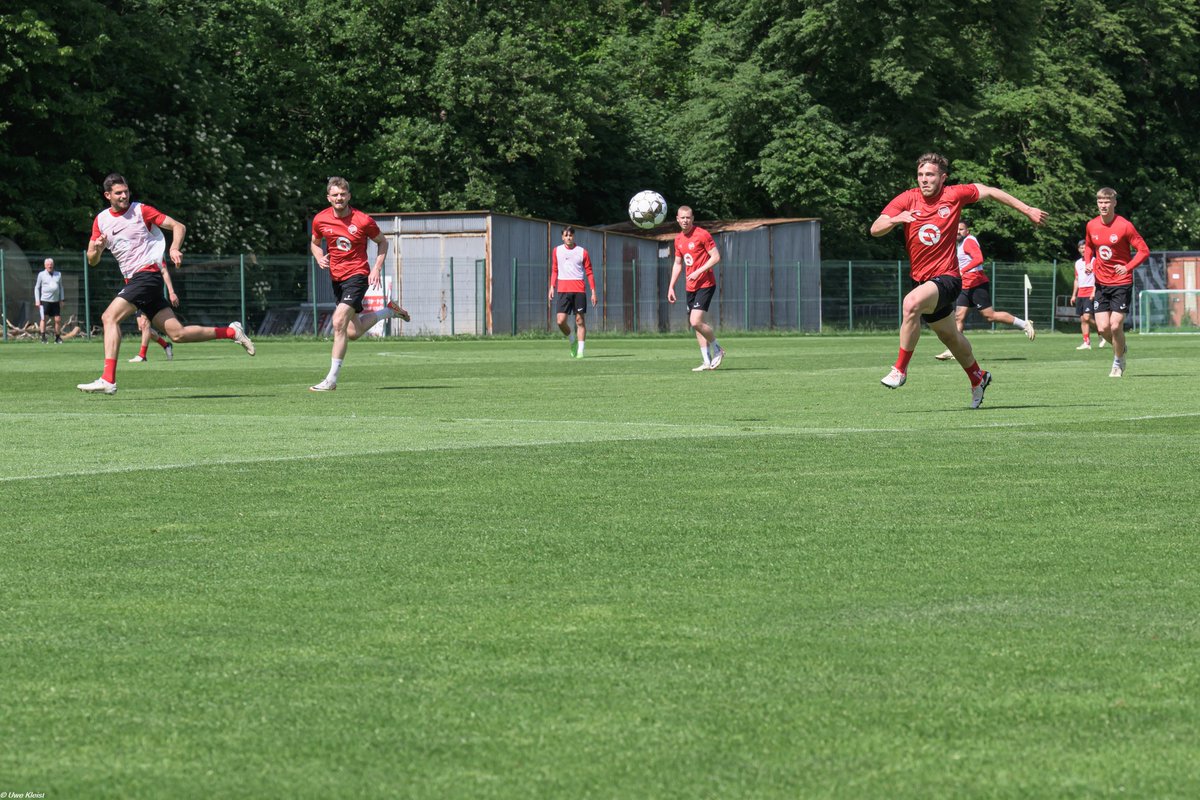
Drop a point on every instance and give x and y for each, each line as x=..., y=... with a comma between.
x=932, y=237
x=568, y=265
x=970, y=263
x=134, y=237
x=1112, y=246
x=695, y=248
x=1085, y=279
x=346, y=238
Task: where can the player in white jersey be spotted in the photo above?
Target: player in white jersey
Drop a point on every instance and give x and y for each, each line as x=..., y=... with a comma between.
x=569, y=264
x=133, y=233
x=1083, y=293
x=975, y=292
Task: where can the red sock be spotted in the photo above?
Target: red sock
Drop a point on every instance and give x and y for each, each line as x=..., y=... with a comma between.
x=224, y=332
x=903, y=359
x=1087, y=339
x=163, y=343
x=974, y=373
x=142, y=352
x=110, y=370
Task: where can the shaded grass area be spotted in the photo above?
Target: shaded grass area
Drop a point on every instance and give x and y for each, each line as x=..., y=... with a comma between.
x=613, y=577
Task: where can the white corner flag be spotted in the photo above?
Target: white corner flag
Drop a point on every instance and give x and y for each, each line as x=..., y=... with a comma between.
x=1028, y=289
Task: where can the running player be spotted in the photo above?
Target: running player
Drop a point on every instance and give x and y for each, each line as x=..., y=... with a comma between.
x=696, y=252
x=568, y=265
x=1111, y=240
x=133, y=232
x=346, y=231
x=1081, y=296
x=928, y=213
x=975, y=291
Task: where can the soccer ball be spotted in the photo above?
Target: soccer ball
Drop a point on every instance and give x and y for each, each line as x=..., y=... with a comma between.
x=647, y=209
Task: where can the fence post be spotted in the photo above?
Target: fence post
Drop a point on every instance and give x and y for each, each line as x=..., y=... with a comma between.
x=312, y=283
x=993, y=291
x=1053, y=295
x=451, y=295
x=3, y=301
x=899, y=294
x=242, y=282
x=514, y=297
x=635, y=297
x=850, y=292
x=87, y=299
x=745, y=296
x=798, y=318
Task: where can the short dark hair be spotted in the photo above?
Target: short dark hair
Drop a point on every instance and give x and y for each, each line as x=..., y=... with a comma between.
x=569, y=229
x=1081, y=243
x=337, y=182
x=937, y=159
x=113, y=179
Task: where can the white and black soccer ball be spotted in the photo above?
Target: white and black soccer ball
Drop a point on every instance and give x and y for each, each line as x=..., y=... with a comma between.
x=647, y=209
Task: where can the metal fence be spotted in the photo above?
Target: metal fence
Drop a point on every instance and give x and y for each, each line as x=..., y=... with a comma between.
x=288, y=294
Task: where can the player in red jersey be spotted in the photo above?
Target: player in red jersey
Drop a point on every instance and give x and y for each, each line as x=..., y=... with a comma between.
x=975, y=290
x=929, y=213
x=696, y=252
x=346, y=230
x=1111, y=240
x=1082, y=296
x=569, y=264
x=133, y=233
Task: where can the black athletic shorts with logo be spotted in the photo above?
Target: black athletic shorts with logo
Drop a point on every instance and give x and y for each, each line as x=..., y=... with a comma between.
x=976, y=297
x=701, y=298
x=1085, y=305
x=1113, y=298
x=351, y=291
x=949, y=287
x=572, y=303
x=52, y=308
x=145, y=290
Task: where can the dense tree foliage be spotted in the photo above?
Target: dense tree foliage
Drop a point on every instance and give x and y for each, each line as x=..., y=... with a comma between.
x=231, y=113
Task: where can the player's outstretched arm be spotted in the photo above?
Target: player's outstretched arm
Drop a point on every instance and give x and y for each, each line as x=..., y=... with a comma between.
x=1036, y=215
x=883, y=224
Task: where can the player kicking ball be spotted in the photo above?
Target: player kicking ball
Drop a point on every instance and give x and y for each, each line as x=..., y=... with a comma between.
x=345, y=232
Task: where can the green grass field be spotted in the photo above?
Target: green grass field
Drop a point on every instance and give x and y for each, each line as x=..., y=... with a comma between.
x=481, y=569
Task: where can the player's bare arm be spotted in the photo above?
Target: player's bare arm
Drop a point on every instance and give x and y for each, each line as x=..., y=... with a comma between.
x=884, y=224
x=96, y=249
x=171, y=296
x=375, y=278
x=321, y=257
x=178, y=231
x=676, y=268
x=1036, y=215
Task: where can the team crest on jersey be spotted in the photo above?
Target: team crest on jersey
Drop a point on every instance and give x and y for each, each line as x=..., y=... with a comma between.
x=944, y=212
x=1113, y=238
x=343, y=244
x=352, y=228
x=929, y=234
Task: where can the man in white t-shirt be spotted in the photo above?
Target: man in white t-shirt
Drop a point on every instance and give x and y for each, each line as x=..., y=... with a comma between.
x=1082, y=297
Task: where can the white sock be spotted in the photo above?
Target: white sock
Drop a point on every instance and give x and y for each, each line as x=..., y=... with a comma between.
x=1018, y=322
x=335, y=367
x=581, y=344
x=705, y=356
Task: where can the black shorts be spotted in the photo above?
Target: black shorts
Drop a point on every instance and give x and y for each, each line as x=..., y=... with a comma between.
x=976, y=297
x=701, y=298
x=572, y=303
x=351, y=291
x=52, y=309
x=145, y=290
x=1113, y=299
x=1085, y=305
x=949, y=287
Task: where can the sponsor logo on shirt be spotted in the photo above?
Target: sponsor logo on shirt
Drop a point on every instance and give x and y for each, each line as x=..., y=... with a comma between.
x=342, y=243
x=1105, y=252
x=929, y=234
